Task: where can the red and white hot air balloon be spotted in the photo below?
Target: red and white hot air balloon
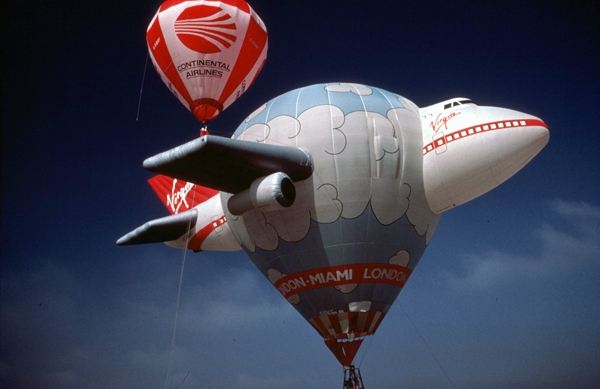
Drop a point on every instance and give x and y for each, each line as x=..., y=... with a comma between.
x=207, y=52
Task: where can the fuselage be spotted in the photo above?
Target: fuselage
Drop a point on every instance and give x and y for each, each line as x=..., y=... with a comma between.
x=466, y=150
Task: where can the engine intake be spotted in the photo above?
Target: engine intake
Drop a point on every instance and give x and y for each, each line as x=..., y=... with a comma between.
x=270, y=193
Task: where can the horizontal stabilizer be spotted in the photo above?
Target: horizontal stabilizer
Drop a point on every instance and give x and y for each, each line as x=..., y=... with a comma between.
x=230, y=165
x=164, y=229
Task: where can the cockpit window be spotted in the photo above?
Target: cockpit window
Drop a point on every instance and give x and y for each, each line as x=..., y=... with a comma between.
x=458, y=103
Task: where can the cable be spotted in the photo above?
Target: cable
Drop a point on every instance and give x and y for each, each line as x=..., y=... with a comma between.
x=428, y=348
x=369, y=341
x=137, y=116
x=185, y=250
x=176, y=315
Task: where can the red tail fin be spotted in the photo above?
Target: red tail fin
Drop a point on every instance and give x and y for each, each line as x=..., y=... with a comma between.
x=179, y=196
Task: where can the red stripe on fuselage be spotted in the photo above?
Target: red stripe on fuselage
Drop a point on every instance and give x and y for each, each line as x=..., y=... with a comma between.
x=479, y=129
x=196, y=242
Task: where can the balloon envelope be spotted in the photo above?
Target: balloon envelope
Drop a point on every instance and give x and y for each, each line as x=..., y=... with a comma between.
x=359, y=225
x=207, y=52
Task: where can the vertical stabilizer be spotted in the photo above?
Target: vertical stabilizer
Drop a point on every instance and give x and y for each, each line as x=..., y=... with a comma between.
x=178, y=195
x=197, y=221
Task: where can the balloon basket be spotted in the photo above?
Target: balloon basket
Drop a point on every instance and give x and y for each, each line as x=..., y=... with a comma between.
x=204, y=131
x=352, y=378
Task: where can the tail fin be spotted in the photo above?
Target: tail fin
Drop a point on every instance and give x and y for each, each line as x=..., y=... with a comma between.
x=180, y=196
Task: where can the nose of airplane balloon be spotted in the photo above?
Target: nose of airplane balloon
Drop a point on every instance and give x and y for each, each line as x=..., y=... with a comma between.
x=479, y=150
x=514, y=141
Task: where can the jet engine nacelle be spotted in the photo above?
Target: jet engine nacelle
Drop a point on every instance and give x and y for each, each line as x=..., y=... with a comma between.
x=270, y=193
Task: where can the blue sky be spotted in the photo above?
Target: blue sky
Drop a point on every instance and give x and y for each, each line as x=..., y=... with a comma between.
x=506, y=295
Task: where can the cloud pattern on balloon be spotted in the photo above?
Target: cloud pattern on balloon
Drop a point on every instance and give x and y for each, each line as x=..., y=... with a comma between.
x=357, y=161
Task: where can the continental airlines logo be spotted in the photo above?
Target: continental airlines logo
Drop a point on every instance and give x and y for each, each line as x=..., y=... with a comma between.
x=206, y=67
x=206, y=29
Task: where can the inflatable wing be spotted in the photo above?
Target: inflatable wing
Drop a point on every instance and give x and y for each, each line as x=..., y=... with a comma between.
x=230, y=165
x=161, y=230
x=259, y=176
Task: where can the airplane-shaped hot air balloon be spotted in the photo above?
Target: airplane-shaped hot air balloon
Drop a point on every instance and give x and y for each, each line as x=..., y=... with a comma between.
x=207, y=52
x=334, y=191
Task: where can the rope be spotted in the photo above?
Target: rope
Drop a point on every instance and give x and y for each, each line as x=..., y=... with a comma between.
x=137, y=116
x=369, y=341
x=176, y=312
x=428, y=348
x=185, y=241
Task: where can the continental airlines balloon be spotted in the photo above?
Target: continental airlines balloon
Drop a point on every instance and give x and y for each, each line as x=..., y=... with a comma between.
x=334, y=191
x=207, y=52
